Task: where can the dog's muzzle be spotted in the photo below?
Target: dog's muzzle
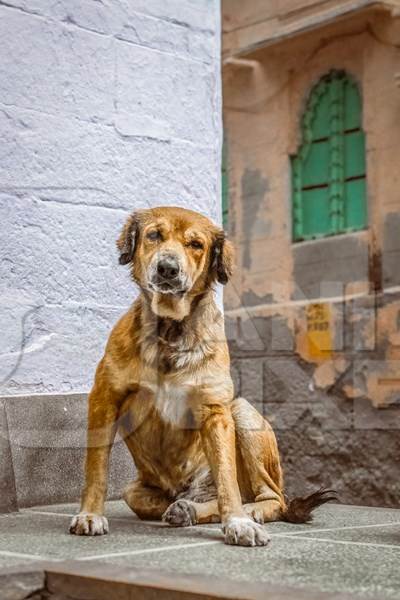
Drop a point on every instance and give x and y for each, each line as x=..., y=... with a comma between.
x=167, y=277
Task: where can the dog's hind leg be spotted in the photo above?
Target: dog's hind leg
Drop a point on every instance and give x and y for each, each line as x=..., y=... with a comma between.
x=264, y=511
x=198, y=504
x=207, y=512
x=259, y=475
x=147, y=502
x=184, y=513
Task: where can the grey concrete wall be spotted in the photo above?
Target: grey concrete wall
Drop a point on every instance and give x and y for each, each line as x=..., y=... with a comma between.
x=42, y=451
x=104, y=107
x=323, y=268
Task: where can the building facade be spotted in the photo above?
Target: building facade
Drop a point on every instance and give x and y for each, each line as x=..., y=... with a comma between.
x=311, y=121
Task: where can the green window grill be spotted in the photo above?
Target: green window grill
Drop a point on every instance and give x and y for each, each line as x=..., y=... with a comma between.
x=329, y=171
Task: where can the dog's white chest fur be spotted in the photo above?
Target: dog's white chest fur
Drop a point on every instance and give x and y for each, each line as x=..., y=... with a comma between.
x=171, y=402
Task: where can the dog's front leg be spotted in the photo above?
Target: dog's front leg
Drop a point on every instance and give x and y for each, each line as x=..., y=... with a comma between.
x=218, y=435
x=102, y=418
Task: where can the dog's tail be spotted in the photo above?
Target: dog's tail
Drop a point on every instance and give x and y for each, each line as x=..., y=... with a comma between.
x=299, y=510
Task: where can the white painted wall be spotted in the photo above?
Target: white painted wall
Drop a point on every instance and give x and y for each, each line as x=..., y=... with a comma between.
x=105, y=106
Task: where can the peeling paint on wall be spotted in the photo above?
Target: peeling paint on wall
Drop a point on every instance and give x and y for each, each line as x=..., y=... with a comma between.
x=254, y=221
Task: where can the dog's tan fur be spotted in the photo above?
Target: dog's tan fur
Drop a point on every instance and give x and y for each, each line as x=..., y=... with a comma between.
x=164, y=382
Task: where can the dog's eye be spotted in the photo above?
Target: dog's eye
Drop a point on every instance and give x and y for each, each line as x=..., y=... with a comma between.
x=196, y=244
x=153, y=236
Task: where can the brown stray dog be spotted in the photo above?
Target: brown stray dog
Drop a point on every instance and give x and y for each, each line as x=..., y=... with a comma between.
x=202, y=456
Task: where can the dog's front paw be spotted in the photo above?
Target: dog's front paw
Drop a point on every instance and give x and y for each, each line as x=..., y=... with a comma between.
x=88, y=524
x=180, y=514
x=243, y=531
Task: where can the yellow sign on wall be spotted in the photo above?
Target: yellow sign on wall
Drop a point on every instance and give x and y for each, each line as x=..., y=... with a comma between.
x=319, y=334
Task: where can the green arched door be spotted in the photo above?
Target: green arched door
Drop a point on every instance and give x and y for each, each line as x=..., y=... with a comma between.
x=329, y=171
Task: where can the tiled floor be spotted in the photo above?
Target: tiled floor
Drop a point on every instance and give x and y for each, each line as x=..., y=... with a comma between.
x=345, y=550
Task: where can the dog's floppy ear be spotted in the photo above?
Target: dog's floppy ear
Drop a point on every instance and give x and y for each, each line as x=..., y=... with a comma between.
x=126, y=242
x=222, y=258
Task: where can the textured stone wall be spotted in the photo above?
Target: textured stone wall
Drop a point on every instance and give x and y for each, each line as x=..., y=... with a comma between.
x=104, y=107
x=329, y=432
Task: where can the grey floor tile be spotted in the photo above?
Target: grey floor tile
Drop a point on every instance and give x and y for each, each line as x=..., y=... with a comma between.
x=327, y=517
x=337, y=515
x=115, y=509
x=47, y=537
x=381, y=535
x=7, y=561
x=292, y=562
x=326, y=520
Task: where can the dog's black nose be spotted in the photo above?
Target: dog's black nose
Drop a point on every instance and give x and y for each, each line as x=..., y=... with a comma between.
x=168, y=268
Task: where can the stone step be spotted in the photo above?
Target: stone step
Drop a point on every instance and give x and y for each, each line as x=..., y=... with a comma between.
x=74, y=581
x=42, y=447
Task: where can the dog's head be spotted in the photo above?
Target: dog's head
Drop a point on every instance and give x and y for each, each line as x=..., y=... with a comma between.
x=174, y=253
